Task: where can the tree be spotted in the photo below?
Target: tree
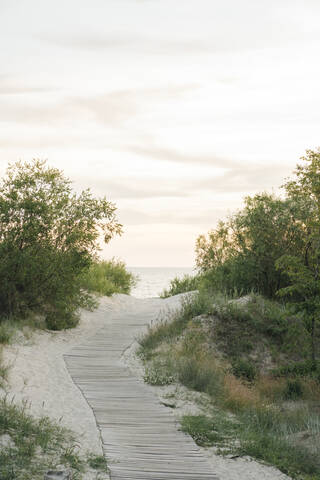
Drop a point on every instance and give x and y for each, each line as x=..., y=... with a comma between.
x=241, y=252
x=303, y=269
x=48, y=237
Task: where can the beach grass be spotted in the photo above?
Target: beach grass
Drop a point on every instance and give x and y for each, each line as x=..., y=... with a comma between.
x=254, y=412
x=31, y=446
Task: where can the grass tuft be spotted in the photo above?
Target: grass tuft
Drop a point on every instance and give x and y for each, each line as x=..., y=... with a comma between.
x=108, y=277
x=34, y=446
x=212, y=346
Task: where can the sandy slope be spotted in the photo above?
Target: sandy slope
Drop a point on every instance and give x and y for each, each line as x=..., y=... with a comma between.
x=39, y=376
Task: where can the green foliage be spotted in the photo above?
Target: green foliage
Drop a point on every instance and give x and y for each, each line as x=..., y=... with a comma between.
x=199, y=375
x=296, y=369
x=256, y=427
x=98, y=462
x=269, y=435
x=48, y=238
x=5, y=333
x=178, y=285
x=302, y=267
x=245, y=369
x=241, y=252
x=204, y=430
x=241, y=325
x=260, y=434
x=4, y=370
x=171, y=326
x=293, y=390
x=159, y=372
x=36, y=445
x=108, y=277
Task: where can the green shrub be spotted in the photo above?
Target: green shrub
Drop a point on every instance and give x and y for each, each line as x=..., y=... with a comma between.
x=36, y=445
x=160, y=372
x=49, y=237
x=98, y=462
x=108, y=277
x=245, y=369
x=199, y=375
x=299, y=369
x=157, y=377
x=5, y=332
x=61, y=320
x=174, y=323
x=202, y=429
x=187, y=283
x=293, y=389
x=240, y=253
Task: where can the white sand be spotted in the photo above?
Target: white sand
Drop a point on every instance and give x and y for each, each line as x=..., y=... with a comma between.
x=39, y=376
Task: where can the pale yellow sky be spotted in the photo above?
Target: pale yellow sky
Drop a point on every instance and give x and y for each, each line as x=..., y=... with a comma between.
x=175, y=110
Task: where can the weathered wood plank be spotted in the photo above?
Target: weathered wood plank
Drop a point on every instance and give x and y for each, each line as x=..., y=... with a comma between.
x=140, y=437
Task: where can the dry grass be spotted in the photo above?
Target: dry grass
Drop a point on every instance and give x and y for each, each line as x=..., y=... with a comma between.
x=239, y=396
x=311, y=389
x=271, y=388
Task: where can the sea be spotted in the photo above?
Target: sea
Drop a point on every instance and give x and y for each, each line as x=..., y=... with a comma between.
x=153, y=280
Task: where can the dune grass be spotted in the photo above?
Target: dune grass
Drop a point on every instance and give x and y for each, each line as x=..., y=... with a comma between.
x=187, y=283
x=108, y=277
x=210, y=346
x=29, y=447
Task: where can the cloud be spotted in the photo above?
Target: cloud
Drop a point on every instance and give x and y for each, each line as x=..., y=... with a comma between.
x=9, y=85
x=136, y=217
x=133, y=188
x=247, y=179
x=147, y=44
x=171, y=155
x=112, y=108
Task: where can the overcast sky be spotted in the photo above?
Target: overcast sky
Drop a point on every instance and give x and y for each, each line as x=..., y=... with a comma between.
x=173, y=109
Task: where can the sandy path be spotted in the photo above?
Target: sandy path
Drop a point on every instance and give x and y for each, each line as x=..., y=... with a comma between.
x=39, y=376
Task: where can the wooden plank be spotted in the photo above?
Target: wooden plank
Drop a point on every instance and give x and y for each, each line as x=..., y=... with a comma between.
x=140, y=436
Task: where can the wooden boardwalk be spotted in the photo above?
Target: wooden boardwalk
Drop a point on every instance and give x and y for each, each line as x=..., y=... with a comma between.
x=140, y=437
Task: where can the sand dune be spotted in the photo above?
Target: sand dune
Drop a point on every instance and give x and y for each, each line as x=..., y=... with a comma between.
x=39, y=376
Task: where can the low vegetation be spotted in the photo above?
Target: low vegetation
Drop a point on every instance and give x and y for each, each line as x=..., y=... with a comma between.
x=187, y=283
x=250, y=338
x=108, y=277
x=234, y=351
x=30, y=447
x=49, y=237
x=49, y=269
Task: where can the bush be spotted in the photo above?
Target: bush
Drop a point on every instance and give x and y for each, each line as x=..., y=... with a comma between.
x=108, y=277
x=299, y=369
x=5, y=333
x=202, y=429
x=37, y=445
x=178, y=285
x=245, y=369
x=199, y=375
x=293, y=389
x=241, y=252
x=159, y=372
x=254, y=320
x=48, y=238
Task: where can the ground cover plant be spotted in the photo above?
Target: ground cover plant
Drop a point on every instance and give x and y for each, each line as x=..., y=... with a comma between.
x=255, y=411
x=106, y=277
x=30, y=447
x=187, y=283
x=250, y=337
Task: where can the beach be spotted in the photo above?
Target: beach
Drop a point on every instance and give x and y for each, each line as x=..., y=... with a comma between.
x=39, y=377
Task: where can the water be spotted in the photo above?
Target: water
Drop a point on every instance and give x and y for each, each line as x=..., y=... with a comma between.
x=153, y=280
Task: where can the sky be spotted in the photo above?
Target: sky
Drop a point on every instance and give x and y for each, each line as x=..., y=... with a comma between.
x=175, y=110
